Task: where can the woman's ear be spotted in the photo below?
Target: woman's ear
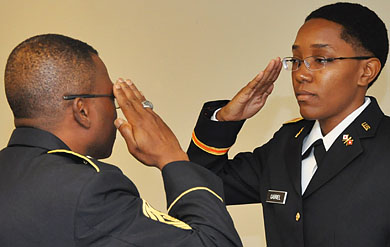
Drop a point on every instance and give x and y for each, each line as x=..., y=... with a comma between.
x=81, y=113
x=371, y=69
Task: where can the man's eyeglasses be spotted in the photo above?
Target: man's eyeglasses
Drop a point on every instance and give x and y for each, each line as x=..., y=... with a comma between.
x=313, y=63
x=74, y=96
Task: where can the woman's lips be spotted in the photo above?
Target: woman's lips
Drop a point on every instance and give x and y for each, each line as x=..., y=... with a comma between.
x=304, y=95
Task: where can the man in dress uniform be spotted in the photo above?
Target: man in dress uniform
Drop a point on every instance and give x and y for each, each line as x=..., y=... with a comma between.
x=54, y=191
x=323, y=180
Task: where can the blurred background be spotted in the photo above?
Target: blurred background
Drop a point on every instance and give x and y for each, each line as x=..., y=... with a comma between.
x=180, y=54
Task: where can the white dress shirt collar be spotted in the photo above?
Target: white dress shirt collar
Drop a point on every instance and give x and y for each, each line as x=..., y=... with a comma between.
x=328, y=140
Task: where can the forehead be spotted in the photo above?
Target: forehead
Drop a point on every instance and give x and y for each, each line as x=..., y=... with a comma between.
x=320, y=33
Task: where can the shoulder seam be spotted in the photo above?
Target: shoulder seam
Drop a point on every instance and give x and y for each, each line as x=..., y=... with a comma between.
x=294, y=120
x=89, y=161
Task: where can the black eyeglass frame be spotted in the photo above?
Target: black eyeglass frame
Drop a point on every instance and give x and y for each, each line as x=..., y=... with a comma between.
x=74, y=96
x=326, y=60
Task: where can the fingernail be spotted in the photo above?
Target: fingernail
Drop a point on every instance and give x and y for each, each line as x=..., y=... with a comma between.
x=117, y=86
x=120, y=79
x=128, y=82
x=118, y=122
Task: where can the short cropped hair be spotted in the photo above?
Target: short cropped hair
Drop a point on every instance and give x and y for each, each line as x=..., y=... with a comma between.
x=42, y=69
x=362, y=28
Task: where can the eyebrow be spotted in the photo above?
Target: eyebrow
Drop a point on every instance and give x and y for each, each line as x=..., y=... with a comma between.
x=294, y=47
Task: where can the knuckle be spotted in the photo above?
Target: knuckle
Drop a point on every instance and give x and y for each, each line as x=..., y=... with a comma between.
x=127, y=104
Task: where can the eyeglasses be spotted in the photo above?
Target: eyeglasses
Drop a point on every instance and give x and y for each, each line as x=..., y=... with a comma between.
x=74, y=96
x=313, y=63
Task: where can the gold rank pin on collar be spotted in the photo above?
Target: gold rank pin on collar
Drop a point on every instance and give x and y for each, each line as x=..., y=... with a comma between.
x=366, y=126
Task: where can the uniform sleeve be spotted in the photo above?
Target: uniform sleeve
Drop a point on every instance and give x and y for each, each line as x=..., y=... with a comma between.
x=210, y=143
x=111, y=213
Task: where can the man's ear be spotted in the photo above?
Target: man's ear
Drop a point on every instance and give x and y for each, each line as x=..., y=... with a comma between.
x=371, y=69
x=81, y=113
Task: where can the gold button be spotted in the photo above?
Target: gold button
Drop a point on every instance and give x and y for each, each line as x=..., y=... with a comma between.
x=297, y=216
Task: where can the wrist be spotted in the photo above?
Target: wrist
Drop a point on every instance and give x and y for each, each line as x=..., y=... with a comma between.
x=219, y=115
x=223, y=115
x=180, y=156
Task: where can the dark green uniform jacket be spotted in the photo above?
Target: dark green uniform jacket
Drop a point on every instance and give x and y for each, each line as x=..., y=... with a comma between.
x=52, y=197
x=347, y=202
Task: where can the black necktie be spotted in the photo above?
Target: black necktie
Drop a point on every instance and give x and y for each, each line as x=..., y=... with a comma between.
x=319, y=151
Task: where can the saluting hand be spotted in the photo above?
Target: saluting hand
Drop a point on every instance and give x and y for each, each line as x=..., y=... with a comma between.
x=147, y=137
x=250, y=99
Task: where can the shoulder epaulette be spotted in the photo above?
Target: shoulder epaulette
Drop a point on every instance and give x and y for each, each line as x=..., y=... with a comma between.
x=85, y=159
x=294, y=120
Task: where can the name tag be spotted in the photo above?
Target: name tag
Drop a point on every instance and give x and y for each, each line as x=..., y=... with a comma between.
x=275, y=196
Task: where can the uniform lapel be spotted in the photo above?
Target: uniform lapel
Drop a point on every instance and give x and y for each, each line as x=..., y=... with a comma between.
x=346, y=147
x=293, y=157
x=337, y=157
